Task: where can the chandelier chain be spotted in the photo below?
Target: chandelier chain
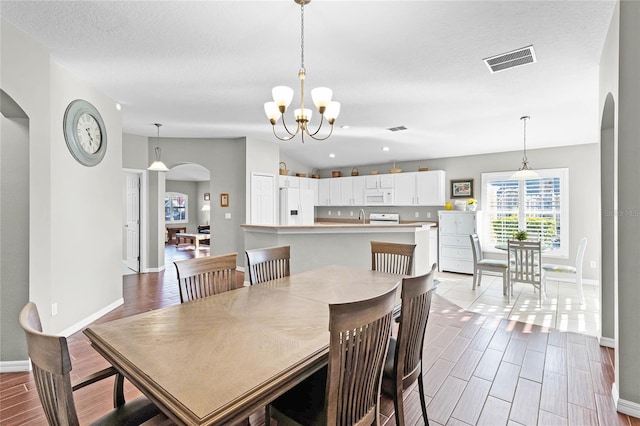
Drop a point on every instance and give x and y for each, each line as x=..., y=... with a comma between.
x=302, y=36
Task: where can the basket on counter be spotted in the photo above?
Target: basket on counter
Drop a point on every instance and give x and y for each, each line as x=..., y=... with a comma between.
x=354, y=171
x=394, y=169
x=423, y=169
x=336, y=173
x=283, y=168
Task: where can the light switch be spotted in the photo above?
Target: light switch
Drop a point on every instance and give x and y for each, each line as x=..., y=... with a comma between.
x=227, y=215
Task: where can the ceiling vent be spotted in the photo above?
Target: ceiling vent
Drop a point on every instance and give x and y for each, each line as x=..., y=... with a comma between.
x=512, y=59
x=396, y=129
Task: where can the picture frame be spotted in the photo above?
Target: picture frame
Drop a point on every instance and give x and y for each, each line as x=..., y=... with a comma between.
x=462, y=188
x=224, y=200
x=207, y=196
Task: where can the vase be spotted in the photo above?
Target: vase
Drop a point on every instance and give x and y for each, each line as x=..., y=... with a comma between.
x=472, y=207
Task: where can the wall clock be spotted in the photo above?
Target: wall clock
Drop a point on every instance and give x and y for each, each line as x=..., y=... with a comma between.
x=85, y=133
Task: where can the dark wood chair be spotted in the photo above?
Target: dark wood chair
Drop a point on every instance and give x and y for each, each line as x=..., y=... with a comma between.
x=394, y=258
x=347, y=391
x=51, y=370
x=481, y=264
x=268, y=264
x=206, y=276
x=403, y=365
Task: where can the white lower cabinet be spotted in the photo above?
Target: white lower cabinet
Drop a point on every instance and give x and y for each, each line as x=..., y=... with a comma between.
x=454, y=242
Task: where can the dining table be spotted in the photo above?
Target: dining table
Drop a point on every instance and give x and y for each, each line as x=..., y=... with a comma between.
x=217, y=360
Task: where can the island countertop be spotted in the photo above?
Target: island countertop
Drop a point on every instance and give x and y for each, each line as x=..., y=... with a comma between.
x=324, y=226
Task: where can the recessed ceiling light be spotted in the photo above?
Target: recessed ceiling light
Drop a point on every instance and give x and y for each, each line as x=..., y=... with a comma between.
x=385, y=148
x=332, y=155
x=345, y=126
x=118, y=106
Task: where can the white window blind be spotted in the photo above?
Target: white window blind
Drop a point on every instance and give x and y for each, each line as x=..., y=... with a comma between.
x=175, y=207
x=538, y=206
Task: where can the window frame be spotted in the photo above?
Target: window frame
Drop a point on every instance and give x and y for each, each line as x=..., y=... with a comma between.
x=186, y=207
x=488, y=245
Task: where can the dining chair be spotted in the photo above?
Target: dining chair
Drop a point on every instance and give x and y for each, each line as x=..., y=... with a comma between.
x=394, y=258
x=205, y=276
x=268, y=263
x=481, y=264
x=347, y=390
x=403, y=365
x=51, y=363
x=573, y=272
x=525, y=266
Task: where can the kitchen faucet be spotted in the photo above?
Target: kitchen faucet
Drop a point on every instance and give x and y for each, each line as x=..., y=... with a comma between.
x=362, y=216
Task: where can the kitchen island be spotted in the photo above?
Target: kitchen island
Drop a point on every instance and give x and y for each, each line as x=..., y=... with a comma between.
x=343, y=243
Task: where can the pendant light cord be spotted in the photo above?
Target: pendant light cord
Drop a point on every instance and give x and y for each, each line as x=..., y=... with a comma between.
x=524, y=158
x=302, y=37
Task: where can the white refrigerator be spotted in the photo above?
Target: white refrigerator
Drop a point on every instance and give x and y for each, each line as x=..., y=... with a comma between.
x=296, y=206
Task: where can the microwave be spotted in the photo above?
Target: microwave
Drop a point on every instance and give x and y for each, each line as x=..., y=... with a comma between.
x=378, y=197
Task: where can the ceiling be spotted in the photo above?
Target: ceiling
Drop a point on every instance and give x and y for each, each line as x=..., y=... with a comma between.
x=205, y=69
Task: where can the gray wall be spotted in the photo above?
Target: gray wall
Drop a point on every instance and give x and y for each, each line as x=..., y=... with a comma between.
x=584, y=178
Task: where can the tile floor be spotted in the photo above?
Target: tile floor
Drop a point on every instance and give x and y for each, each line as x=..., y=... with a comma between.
x=561, y=309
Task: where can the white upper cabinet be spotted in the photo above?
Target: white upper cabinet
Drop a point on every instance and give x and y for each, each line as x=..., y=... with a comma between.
x=379, y=181
x=324, y=191
x=335, y=192
x=352, y=191
x=312, y=184
x=420, y=188
x=289, y=181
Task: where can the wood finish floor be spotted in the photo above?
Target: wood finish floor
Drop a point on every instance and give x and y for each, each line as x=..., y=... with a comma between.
x=479, y=369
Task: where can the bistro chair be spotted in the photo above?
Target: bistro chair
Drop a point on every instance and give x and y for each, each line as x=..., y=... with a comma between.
x=51, y=370
x=525, y=266
x=206, y=276
x=574, y=272
x=403, y=365
x=347, y=391
x=489, y=265
x=268, y=264
x=394, y=258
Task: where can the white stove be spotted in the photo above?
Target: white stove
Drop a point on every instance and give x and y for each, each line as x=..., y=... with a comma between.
x=384, y=218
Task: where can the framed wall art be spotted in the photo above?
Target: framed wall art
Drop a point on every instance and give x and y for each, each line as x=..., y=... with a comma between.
x=224, y=200
x=462, y=188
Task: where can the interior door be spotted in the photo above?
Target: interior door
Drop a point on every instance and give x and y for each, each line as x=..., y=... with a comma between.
x=263, y=199
x=133, y=222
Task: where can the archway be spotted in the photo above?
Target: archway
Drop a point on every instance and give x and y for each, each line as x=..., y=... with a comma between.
x=609, y=222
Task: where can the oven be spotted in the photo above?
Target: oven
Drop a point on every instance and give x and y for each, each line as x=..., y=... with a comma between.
x=384, y=218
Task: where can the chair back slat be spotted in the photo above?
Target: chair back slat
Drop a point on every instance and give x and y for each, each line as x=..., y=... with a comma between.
x=416, y=302
x=393, y=258
x=475, y=248
x=359, y=339
x=51, y=369
x=268, y=263
x=206, y=276
x=525, y=262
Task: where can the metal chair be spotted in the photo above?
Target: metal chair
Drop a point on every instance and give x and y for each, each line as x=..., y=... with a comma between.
x=347, y=391
x=51, y=370
x=489, y=265
x=206, y=276
x=403, y=365
x=268, y=263
x=525, y=266
x=574, y=272
x=394, y=258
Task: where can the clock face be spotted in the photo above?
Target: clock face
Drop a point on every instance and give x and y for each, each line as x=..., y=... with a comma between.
x=85, y=133
x=89, y=133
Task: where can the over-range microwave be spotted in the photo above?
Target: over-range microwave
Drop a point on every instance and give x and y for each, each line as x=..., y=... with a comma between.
x=378, y=197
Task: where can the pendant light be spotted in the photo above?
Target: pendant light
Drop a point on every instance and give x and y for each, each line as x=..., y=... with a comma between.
x=158, y=165
x=525, y=172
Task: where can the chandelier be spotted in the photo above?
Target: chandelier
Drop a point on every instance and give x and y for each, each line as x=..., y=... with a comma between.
x=283, y=95
x=525, y=172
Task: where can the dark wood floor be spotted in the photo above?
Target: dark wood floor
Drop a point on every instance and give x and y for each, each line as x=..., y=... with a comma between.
x=478, y=369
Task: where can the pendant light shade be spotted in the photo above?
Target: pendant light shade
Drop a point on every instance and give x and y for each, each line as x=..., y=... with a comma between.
x=525, y=172
x=158, y=165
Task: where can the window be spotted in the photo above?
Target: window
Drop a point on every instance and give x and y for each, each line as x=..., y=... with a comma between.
x=175, y=207
x=538, y=206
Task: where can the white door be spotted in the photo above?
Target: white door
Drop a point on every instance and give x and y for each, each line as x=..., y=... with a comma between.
x=263, y=199
x=133, y=221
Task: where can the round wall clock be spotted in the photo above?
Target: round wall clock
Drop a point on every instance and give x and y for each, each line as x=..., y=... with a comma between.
x=85, y=133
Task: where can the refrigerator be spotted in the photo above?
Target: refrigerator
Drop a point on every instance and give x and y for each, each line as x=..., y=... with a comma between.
x=296, y=207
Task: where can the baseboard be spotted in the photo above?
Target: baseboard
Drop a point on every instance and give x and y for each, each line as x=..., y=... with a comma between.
x=240, y=269
x=91, y=318
x=607, y=342
x=623, y=406
x=160, y=269
x=14, y=366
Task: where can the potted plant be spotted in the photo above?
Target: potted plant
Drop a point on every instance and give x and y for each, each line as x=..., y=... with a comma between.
x=520, y=235
x=472, y=204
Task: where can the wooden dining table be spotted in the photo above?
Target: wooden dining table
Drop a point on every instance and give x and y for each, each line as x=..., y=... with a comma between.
x=218, y=359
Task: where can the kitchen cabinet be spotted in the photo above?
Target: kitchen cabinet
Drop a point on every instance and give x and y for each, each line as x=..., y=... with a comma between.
x=454, y=242
x=312, y=184
x=324, y=192
x=351, y=191
x=335, y=192
x=420, y=188
x=288, y=181
x=379, y=181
